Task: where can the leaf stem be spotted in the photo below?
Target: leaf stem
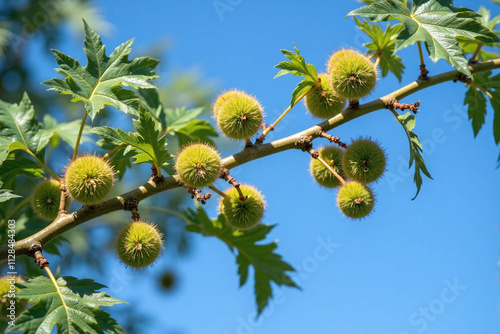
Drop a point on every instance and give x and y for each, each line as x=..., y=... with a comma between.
x=474, y=56
x=423, y=70
x=113, y=151
x=16, y=208
x=271, y=127
x=84, y=119
x=421, y=54
x=377, y=61
x=44, y=166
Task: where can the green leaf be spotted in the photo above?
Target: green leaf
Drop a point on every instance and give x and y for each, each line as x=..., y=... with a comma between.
x=382, y=44
x=146, y=144
x=476, y=102
x=66, y=132
x=6, y=194
x=179, y=117
x=268, y=266
x=14, y=166
x=408, y=122
x=182, y=122
x=20, y=130
x=470, y=46
x=100, y=82
x=75, y=308
x=436, y=23
x=151, y=101
x=198, y=130
x=484, y=84
x=298, y=67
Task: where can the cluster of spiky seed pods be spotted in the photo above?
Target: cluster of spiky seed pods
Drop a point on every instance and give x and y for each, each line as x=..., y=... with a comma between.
x=350, y=76
x=362, y=162
x=239, y=116
x=88, y=180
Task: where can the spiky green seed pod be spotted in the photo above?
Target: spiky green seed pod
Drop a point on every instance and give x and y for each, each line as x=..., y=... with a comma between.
x=139, y=244
x=240, y=116
x=46, y=198
x=89, y=179
x=353, y=75
x=242, y=215
x=364, y=160
x=6, y=288
x=336, y=56
x=223, y=98
x=324, y=102
x=198, y=165
x=355, y=199
x=333, y=156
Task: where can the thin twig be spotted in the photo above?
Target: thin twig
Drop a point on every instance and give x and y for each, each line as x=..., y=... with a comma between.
x=260, y=140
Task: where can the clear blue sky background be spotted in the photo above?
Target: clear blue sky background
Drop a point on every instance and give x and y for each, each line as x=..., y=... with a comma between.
x=390, y=273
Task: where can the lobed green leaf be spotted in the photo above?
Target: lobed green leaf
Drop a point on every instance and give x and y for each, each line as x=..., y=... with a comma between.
x=75, y=310
x=147, y=144
x=6, y=194
x=100, y=82
x=436, y=23
x=484, y=85
x=268, y=266
x=20, y=130
x=408, y=122
x=382, y=45
x=298, y=67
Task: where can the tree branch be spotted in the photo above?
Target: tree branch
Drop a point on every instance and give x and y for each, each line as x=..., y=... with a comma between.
x=65, y=222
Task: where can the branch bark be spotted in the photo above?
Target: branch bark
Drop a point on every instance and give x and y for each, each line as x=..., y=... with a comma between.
x=65, y=222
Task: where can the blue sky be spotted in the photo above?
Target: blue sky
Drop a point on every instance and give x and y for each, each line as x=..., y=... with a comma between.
x=423, y=266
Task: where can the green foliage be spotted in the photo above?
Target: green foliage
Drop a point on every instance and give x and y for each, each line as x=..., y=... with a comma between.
x=267, y=264
x=6, y=194
x=183, y=123
x=437, y=23
x=408, y=122
x=20, y=130
x=147, y=144
x=180, y=122
x=382, y=44
x=100, y=82
x=73, y=306
x=298, y=67
x=64, y=131
x=13, y=166
x=471, y=46
x=484, y=84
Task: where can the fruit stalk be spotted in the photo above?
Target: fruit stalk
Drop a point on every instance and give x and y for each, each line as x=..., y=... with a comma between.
x=62, y=202
x=327, y=166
